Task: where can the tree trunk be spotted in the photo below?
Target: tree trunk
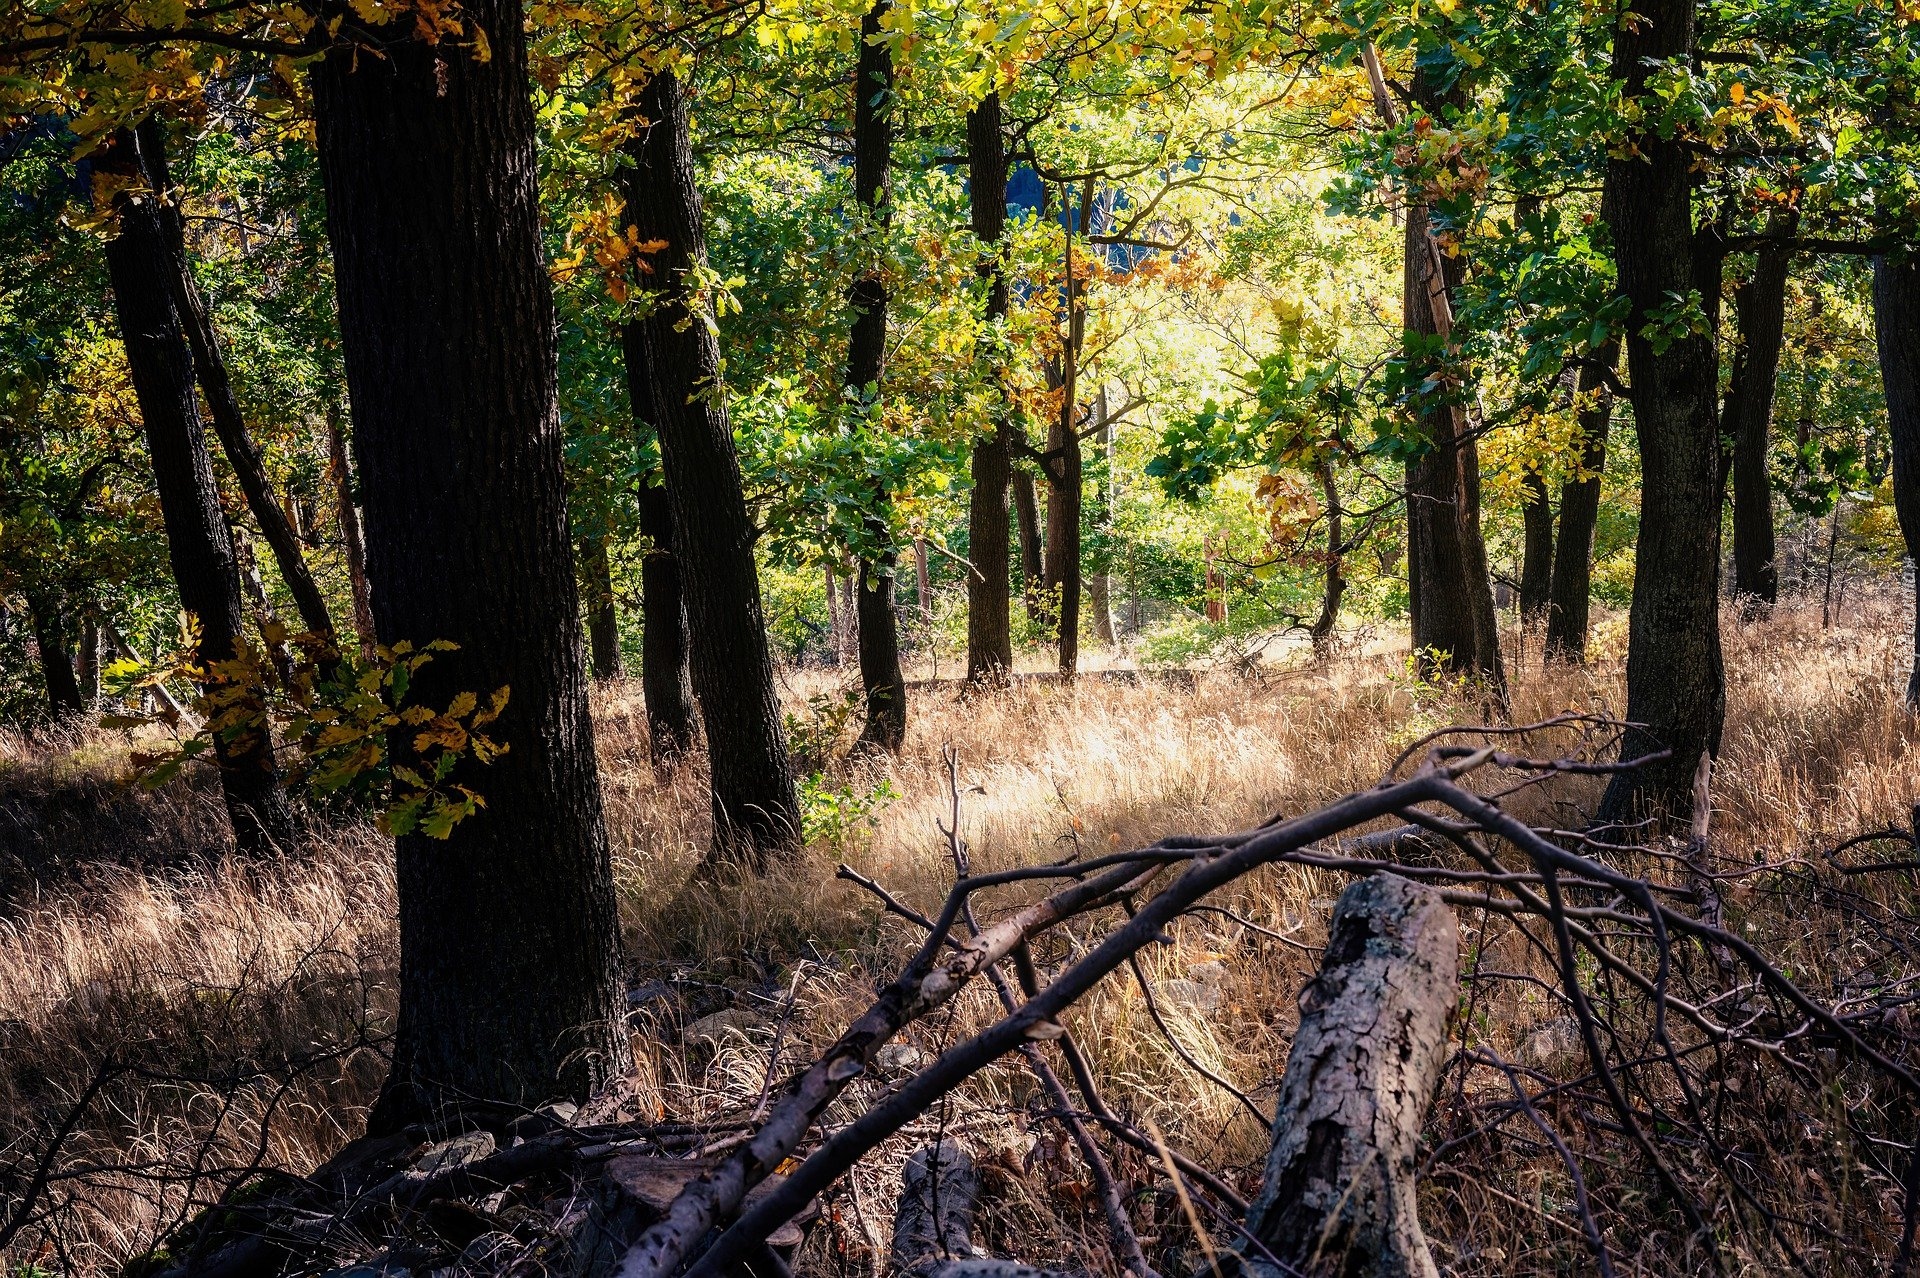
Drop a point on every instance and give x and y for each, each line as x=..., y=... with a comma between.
x=1033, y=571
x=1760, y=310
x=210, y=367
x=922, y=581
x=603, y=622
x=348, y=518
x=1065, y=466
x=1676, y=683
x=1100, y=584
x=56, y=654
x=87, y=664
x=756, y=811
x=1570, y=595
x=1896, y=321
x=880, y=674
x=1324, y=625
x=989, y=585
x=666, y=678
x=1536, y=563
x=1339, y=1195
x=508, y=964
x=199, y=545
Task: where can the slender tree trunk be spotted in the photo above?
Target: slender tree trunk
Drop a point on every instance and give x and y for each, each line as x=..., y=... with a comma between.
x=666, y=676
x=922, y=581
x=1033, y=571
x=1536, y=563
x=1676, y=683
x=1322, y=630
x=56, y=655
x=1896, y=321
x=603, y=622
x=508, y=964
x=348, y=517
x=880, y=674
x=1065, y=465
x=1570, y=595
x=1100, y=584
x=836, y=624
x=140, y=263
x=1760, y=310
x=756, y=811
x=989, y=585
x=87, y=665
x=210, y=367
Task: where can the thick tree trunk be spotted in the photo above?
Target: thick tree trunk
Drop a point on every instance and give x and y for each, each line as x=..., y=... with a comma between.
x=50, y=636
x=508, y=965
x=1536, y=561
x=1335, y=586
x=347, y=515
x=140, y=262
x=1760, y=310
x=603, y=622
x=1339, y=1195
x=756, y=811
x=989, y=585
x=1896, y=322
x=666, y=677
x=1033, y=568
x=210, y=367
x=1676, y=683
x=1570, y=595
x=880, y=675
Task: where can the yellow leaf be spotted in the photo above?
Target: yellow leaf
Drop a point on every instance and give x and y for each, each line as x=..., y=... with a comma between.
x=1737, y=93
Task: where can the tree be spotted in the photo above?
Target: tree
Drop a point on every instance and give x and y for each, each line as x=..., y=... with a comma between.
x=508, y=971
x=1896, y=315
x=989, y=582
x=1759, y=307
x=1570, y=591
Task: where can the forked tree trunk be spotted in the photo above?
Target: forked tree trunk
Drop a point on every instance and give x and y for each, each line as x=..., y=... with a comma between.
x=508, y=967
x=140, y=261
x=603, y=621
x=880, y=675
x=1760, y=310
x=1896, y=321
x=756, y=810
x=989, y=584
x=1339, y=1195
x=666, y=677
x=210, y=367
x=1570, y=594
x=1676, y=682
x=56, y=655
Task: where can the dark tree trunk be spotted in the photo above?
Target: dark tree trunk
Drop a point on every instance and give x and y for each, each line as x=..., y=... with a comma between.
x=880, y=675
x=989, y=585
x=1896, y=322
x=348, y=517
x=666, y=679
x=1676, y=684
x=210, y=367
x=1064, y=493
x=1100, y=583
x=508, y=964
x=1450, y=589
x=1760, y=311
x=1335, y=586
x=50, y=636
x=756, y=812
x=1570, y=596
x=87, y=662
x=603, y=622
x=1536, y=562
x=1033, y=571
x=140, y=262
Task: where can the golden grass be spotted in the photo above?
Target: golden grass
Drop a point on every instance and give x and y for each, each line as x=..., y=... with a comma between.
x=227, y=975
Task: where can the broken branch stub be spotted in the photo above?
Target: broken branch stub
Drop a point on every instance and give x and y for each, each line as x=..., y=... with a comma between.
x=1338, y=1197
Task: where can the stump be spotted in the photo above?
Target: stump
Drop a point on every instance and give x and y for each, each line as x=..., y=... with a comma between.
x=1338, y=1194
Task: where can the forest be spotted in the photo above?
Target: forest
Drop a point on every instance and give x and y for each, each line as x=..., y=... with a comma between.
x=959, y=639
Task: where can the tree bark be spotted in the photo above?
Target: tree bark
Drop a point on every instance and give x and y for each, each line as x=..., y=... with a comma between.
x=1760, y=310
x=1100, y=584
x=989, y=585
x=87, y=663
x=1065, y=464
x=210, y=368
x=1033, y=571
x=199, y=545
x=1570, y=594
x=1896, y=320
x=1676, y=682
x=1339, y=1195
x=756, y=811
x=666, y=677
x=880, y=675
x=348, y=517
x=1536, y=562
x=50, y=636
x=508, y=964
x=603, y=622
x=1322, y=630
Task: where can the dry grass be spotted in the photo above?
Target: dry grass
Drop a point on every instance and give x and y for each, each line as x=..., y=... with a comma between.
x=122, y=940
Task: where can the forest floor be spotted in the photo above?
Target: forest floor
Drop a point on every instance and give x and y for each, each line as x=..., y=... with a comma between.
x=232, y=1014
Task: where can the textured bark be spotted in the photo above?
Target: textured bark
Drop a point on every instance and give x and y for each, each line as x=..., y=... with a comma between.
x=508, y=967
x=348, y=518
x=1896, y=320
x=989, y=585
x=1335, y=579
x=1065, y=473
x=1033, y=569
x=1570, y=594
x=210, y=368
x=1760, y=311
x=86, y=663
x=755, y=809
x=1100, y=584
x=1676, y=683
x=603, y=622
x=199, y=545
x=880, y=675
x=666, y=676
x=50, y=636
x=933, y=1223
x=1536, y=561
x=1339, y=1196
